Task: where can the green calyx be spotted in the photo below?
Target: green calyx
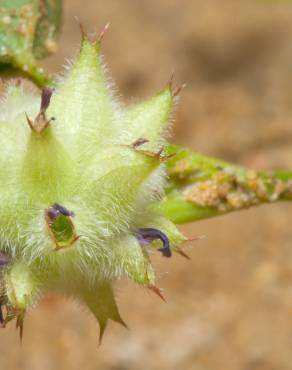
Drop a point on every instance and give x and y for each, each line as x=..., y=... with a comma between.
x=81, y=178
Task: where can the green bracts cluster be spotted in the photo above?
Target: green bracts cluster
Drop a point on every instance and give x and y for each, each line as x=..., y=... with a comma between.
x=80, y=180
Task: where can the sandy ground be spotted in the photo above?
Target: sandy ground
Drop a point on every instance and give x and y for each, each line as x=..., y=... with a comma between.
x=230, y=307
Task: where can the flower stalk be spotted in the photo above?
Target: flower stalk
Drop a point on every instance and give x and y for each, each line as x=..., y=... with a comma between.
x=201, y=187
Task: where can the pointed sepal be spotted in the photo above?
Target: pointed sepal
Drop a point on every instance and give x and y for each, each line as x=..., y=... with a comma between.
x=135, y=262
x=83, y=104
x=157, y=222
x=47, y=169
x=149, y=120
x=120, y=174
x=101, y=302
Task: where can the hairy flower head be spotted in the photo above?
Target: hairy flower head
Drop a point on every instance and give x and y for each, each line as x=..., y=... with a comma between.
x=80, y=179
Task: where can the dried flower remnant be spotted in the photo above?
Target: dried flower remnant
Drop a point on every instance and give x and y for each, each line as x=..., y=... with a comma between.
x=40, y=123
x=181, y=170
x=78, y=196
x=227, y=191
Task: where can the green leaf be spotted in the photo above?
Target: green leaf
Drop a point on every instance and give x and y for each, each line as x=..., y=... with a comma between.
x=28, y=30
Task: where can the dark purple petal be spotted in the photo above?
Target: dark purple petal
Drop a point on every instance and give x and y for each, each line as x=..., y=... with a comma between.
x=45, y=98
x=53, y=213
x=147, y=235
x=63, y=210
x=56, y=210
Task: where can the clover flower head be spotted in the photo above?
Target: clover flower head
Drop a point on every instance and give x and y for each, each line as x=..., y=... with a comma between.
x=81, y=178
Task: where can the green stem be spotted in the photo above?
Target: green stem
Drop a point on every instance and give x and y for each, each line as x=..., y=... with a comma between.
x=201, y=187
x=35, y=74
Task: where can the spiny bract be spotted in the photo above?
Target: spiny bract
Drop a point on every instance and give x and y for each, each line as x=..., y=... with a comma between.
x=80, y=180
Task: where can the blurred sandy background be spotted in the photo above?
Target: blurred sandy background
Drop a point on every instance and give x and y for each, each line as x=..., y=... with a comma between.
x=230, y=307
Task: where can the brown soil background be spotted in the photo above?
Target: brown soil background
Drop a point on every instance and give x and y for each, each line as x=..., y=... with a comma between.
x=230, y=307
